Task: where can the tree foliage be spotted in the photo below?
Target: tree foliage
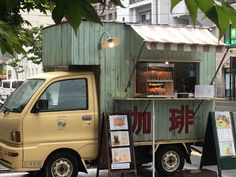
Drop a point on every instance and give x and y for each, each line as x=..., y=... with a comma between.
x=13, y=37
x=15, y=63
x=33, y=51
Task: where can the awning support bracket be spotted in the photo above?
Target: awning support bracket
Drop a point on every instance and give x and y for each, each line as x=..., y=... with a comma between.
x=134, y=68
x=213, y=78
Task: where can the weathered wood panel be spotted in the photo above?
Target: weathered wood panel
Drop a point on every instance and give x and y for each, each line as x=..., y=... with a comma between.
x=62, y=47
x=57, y=45
x=194, y=131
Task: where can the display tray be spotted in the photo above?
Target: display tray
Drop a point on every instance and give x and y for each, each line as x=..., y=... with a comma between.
x=161, y=99
x=160, y=96
x=137, y=95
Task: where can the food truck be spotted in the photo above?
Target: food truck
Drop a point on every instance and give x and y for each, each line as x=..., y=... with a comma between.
x=151, y=73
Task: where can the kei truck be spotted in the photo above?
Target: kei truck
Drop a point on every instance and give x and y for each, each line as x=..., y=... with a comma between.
x=51, y=123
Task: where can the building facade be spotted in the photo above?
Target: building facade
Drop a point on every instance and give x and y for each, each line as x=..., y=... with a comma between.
x=29, y=69
x=107, y=12
x=154, y=12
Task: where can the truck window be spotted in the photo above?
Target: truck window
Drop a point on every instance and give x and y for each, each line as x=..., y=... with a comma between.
x=20, y=97
x=66, y=95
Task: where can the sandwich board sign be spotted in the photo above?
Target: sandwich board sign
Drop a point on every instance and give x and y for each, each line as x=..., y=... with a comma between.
x=117, y=133
x=219, y=143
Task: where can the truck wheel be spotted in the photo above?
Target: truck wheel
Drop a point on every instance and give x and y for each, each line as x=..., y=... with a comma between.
x=169, y=159
x=61, y=165
x=33, y=173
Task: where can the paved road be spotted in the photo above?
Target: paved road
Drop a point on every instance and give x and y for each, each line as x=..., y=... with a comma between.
x=142, y=172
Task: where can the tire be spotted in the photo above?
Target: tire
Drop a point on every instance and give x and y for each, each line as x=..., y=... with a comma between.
x=33, y=173
x=169, y=159
x=61, y=165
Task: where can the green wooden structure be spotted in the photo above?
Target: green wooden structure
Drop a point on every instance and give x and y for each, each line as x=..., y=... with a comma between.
x=62, y=47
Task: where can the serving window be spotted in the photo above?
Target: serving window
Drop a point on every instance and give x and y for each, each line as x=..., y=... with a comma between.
x=165, y=79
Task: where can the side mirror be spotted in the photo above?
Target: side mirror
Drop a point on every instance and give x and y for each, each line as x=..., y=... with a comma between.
x=40, y=105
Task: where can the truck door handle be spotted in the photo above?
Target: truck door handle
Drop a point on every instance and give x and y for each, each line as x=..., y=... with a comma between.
x=86, y=118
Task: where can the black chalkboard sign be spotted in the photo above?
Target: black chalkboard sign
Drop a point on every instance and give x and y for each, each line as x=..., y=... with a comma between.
x=219, y=143
x=118, y=144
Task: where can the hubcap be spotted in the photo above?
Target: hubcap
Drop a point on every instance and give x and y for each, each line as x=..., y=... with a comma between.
x=170, y=161
x=62, y=168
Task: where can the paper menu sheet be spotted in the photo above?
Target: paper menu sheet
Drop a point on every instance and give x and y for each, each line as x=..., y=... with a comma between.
x=225, y=133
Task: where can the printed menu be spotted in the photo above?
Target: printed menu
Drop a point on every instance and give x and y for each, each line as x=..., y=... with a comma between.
x=225, y=133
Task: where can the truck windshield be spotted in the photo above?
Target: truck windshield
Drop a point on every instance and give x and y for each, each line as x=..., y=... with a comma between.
x=20, y=97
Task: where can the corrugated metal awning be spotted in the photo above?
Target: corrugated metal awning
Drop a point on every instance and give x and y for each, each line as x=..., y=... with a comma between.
x=178, y=38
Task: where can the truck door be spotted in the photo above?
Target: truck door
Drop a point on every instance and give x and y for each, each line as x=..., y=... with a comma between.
x=68, y=121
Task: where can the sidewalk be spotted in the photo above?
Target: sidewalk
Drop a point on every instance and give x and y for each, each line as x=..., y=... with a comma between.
x=226, y=105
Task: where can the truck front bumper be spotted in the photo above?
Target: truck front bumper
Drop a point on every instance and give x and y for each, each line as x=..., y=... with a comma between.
x=11, y=157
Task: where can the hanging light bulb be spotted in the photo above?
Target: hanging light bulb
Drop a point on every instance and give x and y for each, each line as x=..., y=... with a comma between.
x=108, y=43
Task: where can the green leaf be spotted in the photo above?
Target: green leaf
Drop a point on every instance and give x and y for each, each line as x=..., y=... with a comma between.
x=223, y=20
x=73, y=13
x=174, y=3
x=88, y=11
x=94, y=1
x=42, y=8
x=231, y=13
x=77, y=9
x=2, y=47
x=205, y=6
x=216, y=13
x=19, y=49
x=40, y=1
x=117, y=3
x=192, y=8
x=11, y=3
x=59, y=11
x=8, y=48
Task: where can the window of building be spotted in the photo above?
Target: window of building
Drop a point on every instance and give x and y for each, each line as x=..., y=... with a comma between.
x=143, y=18
x=66, y=95
x=109, y=4
x=230, y=79
x=123, y=19
x=110, y=16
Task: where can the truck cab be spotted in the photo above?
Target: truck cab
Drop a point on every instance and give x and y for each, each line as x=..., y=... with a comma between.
x=50, y=124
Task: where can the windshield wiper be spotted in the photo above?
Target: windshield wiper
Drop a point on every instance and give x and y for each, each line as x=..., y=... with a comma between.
x=5, y=110
x=15, y=110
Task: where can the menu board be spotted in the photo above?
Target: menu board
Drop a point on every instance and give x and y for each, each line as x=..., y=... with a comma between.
x=116, y=131
x=225, y=134
x=219, y=142
x=119, y=142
